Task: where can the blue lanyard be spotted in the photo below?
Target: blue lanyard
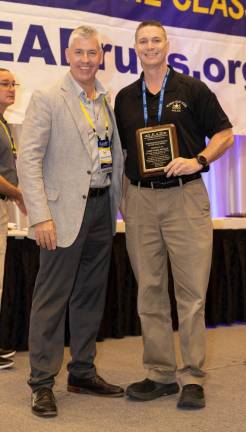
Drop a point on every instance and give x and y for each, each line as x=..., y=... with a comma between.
x=161, y=99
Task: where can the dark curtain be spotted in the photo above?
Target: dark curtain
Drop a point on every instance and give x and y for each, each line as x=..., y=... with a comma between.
x=226, y=297
x=21, y=267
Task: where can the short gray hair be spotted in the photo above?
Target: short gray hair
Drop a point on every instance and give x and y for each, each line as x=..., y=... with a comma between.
x=84, y=32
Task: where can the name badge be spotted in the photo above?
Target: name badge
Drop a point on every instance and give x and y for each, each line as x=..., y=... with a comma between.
x=105, y=155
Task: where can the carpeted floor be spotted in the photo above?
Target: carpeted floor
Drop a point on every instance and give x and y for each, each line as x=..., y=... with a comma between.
x=120, y=361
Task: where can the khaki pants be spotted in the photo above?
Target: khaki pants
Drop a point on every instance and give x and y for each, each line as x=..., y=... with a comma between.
x=175, y=220
x=3, y=240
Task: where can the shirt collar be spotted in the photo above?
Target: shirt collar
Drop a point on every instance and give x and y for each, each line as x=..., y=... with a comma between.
x=169, y=86
x=2, y=119
x=100, y=90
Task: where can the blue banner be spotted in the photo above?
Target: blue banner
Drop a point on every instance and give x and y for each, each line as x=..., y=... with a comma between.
x=218, y=16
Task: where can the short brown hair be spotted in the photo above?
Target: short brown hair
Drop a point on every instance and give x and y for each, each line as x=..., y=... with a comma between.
x=152, y=23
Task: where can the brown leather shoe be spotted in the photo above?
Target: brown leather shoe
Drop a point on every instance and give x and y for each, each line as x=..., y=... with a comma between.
x=95, y=386
x=43, y=403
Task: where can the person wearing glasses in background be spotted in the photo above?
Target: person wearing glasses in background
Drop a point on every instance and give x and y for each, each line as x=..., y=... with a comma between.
x=8, y=183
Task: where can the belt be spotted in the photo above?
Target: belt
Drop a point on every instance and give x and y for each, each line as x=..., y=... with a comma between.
x=96, y=192
x=3, y=197
x=166, y=183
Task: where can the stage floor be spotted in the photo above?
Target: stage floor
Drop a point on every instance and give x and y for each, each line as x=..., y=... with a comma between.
x=120, y=361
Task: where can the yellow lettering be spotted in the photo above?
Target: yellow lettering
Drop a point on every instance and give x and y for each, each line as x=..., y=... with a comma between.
x=156, y=3
x=182, y=5
x=219, y=5
x=239, y=13
x=198, y=8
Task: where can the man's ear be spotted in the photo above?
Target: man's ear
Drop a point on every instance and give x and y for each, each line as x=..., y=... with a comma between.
x=101, y=56
x=67, y=55
x=167, y=46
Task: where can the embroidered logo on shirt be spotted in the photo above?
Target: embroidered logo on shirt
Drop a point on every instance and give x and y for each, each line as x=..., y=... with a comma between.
x=177, y=105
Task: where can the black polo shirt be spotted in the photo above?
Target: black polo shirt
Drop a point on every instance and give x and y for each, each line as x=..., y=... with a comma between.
x=188, y=103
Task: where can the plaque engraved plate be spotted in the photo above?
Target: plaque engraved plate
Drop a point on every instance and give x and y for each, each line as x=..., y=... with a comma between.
x=157, y=146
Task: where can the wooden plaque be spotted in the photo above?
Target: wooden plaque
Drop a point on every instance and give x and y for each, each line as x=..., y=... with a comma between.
x=157, y=146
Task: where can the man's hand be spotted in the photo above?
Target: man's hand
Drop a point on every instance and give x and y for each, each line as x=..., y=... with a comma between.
x=182, y=166
x=20, y=203
x=45, y=234
x=123, y=209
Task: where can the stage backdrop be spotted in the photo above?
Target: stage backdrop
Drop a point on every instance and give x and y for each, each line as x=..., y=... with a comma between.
x=207, y=41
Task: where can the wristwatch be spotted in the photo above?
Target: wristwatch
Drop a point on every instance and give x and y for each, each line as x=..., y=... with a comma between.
x=202, y=160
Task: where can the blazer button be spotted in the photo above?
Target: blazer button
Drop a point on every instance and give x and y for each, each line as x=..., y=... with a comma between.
x=84, y=196
x=88, y=172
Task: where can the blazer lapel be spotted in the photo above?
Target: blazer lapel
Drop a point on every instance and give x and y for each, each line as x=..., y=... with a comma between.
x=71, y=99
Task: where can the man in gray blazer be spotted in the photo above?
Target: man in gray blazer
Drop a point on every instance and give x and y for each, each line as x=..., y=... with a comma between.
x=70, y=169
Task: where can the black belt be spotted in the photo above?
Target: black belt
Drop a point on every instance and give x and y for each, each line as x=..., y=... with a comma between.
x=96, y=192
x=3, y=197
x=166, y=182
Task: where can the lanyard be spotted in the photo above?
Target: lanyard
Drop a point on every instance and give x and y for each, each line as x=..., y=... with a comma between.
x=11, y=141
x=161, y=99
x=90, y=121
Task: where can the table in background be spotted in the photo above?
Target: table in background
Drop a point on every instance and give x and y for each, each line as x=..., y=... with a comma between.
x=226, y=297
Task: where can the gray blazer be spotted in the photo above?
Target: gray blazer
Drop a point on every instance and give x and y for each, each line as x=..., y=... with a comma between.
x=54, y=161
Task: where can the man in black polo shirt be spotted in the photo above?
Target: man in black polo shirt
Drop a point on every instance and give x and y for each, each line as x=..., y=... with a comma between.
x=8, y=182
x=170, y=214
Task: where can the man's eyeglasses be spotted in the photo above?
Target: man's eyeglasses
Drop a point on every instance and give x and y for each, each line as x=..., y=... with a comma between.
x=8, y=84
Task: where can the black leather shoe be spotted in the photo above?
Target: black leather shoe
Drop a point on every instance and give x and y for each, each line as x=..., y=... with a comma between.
x=147, y=390
x=192, y=397
x=43, y=403
x=95, y=386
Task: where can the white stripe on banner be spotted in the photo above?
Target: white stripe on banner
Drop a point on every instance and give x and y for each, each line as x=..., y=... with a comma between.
x=33, y=40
